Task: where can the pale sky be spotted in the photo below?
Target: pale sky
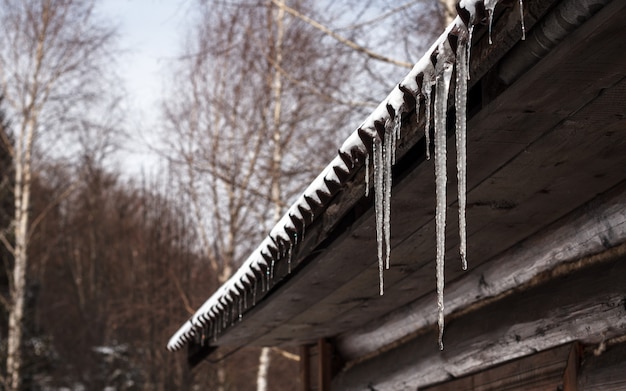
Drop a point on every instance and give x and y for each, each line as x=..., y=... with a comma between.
x=150, y=35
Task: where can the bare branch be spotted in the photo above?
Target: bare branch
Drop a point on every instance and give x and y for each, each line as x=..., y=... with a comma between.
x=286, y=354
x=340, y=39
x=384, y=16
x=51, y=206
x=318, y=92
x=183, y=296
x=6, y=243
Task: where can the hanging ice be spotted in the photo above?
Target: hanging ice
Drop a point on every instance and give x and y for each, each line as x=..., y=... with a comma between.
x=521, y=16
x=462, y=75
x=397, y=132
x=389, y=153
x=379, y=206
x=442, y=88
x=367, y=175
x=490, y=24
x=469, y=48
x=426, y=90
x=289, y=256
x=384, y=151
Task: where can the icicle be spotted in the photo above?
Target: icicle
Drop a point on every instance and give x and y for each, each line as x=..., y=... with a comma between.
x=239, y=301
x=462, y=72
x=289, y=258
x=254, y=293
x=395, y=136
x=264, y=286
x=379, y=206
x=398, y=128
x=441, y=98
x=469, y=48
x=490, y=25
x=417, y=110
x=521, y=16
x=427, y=91
x=389, y=154
x=367, y=174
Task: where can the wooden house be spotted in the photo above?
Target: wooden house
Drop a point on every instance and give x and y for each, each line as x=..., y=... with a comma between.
x=542, y=304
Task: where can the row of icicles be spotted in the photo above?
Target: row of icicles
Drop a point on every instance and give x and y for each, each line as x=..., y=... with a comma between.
x=384, y=156
x=218, y=311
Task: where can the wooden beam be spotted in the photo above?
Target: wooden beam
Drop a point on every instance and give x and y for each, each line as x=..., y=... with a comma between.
x=587, y=305
x=305, y=368
x=316, y=366
x=543, y=370
x=325, y=364
x=590, y=230
x=604, y=367
x=570, y=376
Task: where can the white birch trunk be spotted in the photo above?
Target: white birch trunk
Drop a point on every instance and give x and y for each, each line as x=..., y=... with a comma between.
x=23, y=174
x=277, y=157
x=264, y=366
x=449, y=10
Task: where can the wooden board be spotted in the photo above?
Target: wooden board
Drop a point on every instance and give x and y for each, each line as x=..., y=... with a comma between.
x=544, y=371
x=574, y=307
x=604, y=369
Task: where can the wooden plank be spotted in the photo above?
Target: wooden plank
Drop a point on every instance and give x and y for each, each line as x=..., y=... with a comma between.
x=537, y=372
x=570, y=375
x=604, y=368
x=305, y=369
x=586, y=305
x=585, y=232
x=316, y=366
x=324, y=374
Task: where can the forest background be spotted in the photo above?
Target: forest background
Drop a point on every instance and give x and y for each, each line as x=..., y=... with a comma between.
x=101, y=263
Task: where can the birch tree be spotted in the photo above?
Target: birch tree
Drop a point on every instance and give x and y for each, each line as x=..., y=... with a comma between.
x=51, y=61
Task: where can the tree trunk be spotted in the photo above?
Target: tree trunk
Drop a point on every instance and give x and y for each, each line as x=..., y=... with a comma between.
x=18, y=288
x=277, y=157
x=264, y=366
x=449, y=10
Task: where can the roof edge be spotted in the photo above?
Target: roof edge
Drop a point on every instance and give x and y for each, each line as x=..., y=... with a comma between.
x=227, y=303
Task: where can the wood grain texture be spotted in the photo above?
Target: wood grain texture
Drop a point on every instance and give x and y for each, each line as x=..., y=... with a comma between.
x=587, y=306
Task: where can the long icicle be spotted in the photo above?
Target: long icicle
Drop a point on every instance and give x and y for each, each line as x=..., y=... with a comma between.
x=379, y=206
x=470, y=32
x=521, y=16
x=389, y=151
x=367, y=175
x=441, y=98
x=462, y=72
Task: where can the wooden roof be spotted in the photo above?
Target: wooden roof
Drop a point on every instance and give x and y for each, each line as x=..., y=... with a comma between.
x=546, y=139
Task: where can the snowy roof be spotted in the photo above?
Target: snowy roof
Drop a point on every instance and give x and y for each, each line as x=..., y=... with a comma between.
x=374, y=138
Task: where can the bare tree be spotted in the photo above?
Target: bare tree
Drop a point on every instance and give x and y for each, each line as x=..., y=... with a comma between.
x=51, y=59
